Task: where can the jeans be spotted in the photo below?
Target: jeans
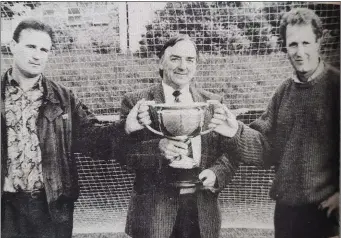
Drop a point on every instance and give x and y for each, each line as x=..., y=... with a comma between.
x=27, y=216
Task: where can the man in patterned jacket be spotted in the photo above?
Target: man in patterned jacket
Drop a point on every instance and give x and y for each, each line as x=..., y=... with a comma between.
x=41, y=125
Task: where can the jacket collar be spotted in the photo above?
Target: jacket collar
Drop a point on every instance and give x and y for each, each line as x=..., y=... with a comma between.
x=197, y=96
x=157, y=94
x=49, y=94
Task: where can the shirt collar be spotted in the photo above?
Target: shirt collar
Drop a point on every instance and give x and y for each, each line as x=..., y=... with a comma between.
x=13, y=82
x=317, y=72
x=169, y=90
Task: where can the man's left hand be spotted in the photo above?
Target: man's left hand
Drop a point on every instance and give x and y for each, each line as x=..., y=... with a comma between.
x=184, y=162
x=208, y=179
x=224, y=121
x=331, y=204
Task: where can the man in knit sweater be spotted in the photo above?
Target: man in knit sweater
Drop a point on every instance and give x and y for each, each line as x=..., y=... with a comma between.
x=298, y=134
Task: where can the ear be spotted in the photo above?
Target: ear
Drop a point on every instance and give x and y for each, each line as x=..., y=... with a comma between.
x=12, y=46
x=319, y=41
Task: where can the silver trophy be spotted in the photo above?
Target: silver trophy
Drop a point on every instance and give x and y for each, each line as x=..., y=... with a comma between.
x=180, y=121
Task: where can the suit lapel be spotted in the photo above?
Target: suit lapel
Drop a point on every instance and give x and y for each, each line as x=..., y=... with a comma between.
x=3, y=83
x=157, y=94
x=197, y=96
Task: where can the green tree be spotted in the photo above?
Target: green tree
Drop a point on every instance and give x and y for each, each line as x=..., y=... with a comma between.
x=217, y=27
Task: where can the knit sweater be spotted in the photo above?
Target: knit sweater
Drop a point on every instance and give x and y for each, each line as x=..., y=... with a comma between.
x=298, y=134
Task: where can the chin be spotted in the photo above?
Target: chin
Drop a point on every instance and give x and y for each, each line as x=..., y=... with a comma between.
x=32, y=74
x=301, y=69
x=182, y=83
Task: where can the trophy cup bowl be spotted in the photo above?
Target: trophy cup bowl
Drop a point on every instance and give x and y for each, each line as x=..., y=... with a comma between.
x=179, y=121
x=175, y=123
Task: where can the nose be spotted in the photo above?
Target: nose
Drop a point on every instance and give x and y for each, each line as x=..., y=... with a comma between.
x=182, y=64
x=300, y=50
x=37, y=54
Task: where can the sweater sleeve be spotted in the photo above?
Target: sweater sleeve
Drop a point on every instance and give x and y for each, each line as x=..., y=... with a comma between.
x=224, y=168
x=253, y=144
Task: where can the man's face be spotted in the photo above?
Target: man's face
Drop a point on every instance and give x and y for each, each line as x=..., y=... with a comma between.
x=179, y=64
x=302, y=47
x=30, y=54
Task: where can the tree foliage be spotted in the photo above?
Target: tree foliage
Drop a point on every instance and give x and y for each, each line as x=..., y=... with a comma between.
x=217, y=27
x=16, y=8
x=225, y=27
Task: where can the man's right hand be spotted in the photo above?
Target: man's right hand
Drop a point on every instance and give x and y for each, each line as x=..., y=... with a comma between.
x=176, y=153
x=224, y=121
x=138, y=117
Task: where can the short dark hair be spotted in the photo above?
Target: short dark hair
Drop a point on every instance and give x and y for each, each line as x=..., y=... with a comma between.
x=34, y=25
x=299, y=16
x=171, y=42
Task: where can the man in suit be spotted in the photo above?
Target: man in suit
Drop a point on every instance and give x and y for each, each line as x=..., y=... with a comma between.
x=158, y=208
x=42, y=125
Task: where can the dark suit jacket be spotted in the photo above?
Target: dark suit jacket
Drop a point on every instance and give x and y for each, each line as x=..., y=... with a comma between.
x=154, y=203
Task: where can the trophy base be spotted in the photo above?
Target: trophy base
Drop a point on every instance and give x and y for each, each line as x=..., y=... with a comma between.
x=184, y=178
x=186, y=184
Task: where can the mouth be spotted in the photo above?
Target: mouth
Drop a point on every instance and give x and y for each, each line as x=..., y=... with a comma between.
x=299, y=61
x=34, y=64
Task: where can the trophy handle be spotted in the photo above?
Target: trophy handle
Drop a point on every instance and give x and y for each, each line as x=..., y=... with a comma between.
x=149, y=103
x=206, y=131
x=211, y=105
x=155, y=131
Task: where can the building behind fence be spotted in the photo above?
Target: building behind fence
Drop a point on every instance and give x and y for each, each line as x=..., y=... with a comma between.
x=106, y=49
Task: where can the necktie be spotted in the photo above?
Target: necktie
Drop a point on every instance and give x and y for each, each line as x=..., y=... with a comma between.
x=176, y=95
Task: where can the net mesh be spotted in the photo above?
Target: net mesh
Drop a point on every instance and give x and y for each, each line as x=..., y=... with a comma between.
x=103, y=50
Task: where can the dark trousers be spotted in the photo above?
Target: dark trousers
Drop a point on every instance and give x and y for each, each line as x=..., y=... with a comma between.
x=303, y=222
x=187, y=224
x=27, y=216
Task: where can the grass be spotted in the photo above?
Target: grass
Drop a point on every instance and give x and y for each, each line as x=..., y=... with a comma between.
x=225, y=233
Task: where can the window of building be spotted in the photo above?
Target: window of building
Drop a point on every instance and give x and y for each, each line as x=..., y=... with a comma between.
x=74, y=16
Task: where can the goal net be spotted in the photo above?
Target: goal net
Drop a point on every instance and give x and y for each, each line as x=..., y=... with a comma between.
x=106, y=49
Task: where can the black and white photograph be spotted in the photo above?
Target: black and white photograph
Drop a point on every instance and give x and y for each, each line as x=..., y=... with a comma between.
x=170, y=119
